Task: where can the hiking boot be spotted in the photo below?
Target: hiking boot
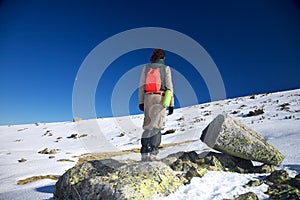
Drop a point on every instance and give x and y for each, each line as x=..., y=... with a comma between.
x=154, y=157
x=145, y=157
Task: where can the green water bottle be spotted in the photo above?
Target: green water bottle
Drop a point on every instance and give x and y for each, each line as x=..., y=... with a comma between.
x=167, y=98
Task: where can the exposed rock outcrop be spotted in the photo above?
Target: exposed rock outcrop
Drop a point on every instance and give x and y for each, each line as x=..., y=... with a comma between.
x=110, y=179
x=199, y=164
x=247, y=196
x=282, y=187
x=230, y=136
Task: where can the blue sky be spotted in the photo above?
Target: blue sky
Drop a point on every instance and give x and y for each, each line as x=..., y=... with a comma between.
x=255, y=45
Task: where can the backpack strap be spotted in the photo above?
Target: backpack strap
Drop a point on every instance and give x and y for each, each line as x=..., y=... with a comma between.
x=163, y=77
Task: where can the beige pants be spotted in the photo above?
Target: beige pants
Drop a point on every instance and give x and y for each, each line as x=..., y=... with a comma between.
x=154, y=112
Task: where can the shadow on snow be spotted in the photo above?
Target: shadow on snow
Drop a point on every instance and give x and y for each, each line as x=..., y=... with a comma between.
x=46, y=189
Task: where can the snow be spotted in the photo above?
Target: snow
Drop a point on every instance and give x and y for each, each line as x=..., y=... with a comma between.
x=218, y=185
x=279, y=124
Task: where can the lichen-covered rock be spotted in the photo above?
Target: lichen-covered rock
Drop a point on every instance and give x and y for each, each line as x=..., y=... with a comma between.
x=230, y=136
x=295, y=182
x=265, y=168
x=281, y=186
x=195, y=172
x=247, y=196
x=193, y=164
x=278, y=176
x=110, y=179
x=186, y=162
x=254, y=183
x=283, y=192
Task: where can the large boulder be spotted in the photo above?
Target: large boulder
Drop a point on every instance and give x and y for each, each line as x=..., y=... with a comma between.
x=230, y=136
x=111, y=179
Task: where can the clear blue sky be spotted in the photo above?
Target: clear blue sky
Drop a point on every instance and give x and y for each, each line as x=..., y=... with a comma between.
x=254, y=43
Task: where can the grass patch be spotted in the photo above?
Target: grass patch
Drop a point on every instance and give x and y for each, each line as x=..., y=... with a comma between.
x=36, y=178
x=65, y=160
x=22, y=129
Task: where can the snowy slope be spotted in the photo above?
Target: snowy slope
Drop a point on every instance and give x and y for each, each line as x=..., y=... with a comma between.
x=279, y=124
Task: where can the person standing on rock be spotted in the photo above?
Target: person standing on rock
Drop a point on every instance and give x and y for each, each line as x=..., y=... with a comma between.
x=155, y=95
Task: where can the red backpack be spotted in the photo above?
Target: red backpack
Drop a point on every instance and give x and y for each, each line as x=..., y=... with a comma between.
x=153, y=80
x=154, y=77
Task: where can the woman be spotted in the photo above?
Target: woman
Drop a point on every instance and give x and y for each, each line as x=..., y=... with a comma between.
x=151, y=102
